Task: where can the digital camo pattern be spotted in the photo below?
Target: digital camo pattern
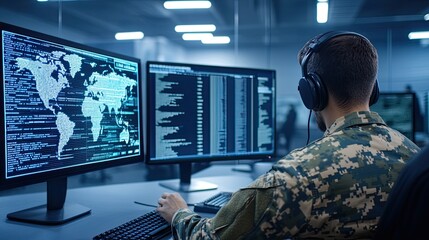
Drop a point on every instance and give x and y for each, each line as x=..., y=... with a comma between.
x=334, y=187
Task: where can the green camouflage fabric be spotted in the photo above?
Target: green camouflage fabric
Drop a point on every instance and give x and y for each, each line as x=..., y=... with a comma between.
x=335, y=187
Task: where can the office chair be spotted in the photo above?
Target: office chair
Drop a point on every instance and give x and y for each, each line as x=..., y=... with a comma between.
x=407, y=210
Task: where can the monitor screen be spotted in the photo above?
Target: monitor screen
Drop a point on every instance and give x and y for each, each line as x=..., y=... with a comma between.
x=397, y=110
x=204, y=113
x=66, y=108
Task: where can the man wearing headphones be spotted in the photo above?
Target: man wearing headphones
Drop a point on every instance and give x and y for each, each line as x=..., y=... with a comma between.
x=336, y=186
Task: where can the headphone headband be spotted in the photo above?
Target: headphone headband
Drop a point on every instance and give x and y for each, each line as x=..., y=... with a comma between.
x=321, y=41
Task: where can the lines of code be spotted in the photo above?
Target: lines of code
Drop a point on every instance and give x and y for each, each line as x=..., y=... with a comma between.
x=203, y=112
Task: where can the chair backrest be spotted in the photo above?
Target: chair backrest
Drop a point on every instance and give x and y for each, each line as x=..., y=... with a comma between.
x=407, y=210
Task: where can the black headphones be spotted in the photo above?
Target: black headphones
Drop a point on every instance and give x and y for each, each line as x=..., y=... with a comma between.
x=311, y=88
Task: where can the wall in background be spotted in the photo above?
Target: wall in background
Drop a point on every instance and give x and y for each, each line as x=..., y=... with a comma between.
x=401, y=62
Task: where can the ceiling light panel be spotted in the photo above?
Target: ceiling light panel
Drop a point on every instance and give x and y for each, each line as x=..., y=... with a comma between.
x=187, y=4
x=195, y=28
x=129, y=35
x=216, y=40
x=196, y=36
x=322, y=11
x=418, y=35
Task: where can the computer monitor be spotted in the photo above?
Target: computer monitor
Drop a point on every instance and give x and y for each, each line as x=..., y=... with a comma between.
x=397, y=110
x=66, y=109
x=199, y=113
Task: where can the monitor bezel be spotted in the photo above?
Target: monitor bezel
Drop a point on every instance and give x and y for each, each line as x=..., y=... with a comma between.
x=8, y=183
x=193, y=159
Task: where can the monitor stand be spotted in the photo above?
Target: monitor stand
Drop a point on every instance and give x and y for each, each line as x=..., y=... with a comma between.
x=55, y=212
x=185, y=184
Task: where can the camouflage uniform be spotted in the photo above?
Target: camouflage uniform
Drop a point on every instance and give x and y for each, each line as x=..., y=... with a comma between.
x=335, y=187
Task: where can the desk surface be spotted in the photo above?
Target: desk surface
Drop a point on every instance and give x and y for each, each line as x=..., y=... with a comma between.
x=111, y=205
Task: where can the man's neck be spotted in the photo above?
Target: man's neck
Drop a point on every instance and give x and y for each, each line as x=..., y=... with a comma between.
x=332, y=113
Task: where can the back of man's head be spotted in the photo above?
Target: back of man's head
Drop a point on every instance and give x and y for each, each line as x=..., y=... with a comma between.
x=347, y=65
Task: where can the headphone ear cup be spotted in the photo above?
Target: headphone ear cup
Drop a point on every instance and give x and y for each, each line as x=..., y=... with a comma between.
x=374, y=94
x=313, y=93
x=322, y=93
x=307, y=93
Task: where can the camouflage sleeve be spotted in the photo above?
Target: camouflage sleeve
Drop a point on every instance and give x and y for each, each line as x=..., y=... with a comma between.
x=189, y=225
x=234, y=220
x=256, y=211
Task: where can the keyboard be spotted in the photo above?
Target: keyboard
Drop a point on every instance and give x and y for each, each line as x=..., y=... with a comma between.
x=148, y=226
x=214, y=203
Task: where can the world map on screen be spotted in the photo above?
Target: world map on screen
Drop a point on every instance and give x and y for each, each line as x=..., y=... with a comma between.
x=104, y=92
x=67, y=105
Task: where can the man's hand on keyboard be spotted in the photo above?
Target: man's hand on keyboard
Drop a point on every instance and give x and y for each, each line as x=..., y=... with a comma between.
x=168, y=205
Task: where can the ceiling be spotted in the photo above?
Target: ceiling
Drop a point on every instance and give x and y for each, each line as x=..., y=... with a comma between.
x=246, y=22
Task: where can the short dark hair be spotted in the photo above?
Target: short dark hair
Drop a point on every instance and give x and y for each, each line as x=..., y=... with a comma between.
x=347, y=65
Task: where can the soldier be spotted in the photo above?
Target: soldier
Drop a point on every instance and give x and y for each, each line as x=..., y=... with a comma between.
x=336, y=186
